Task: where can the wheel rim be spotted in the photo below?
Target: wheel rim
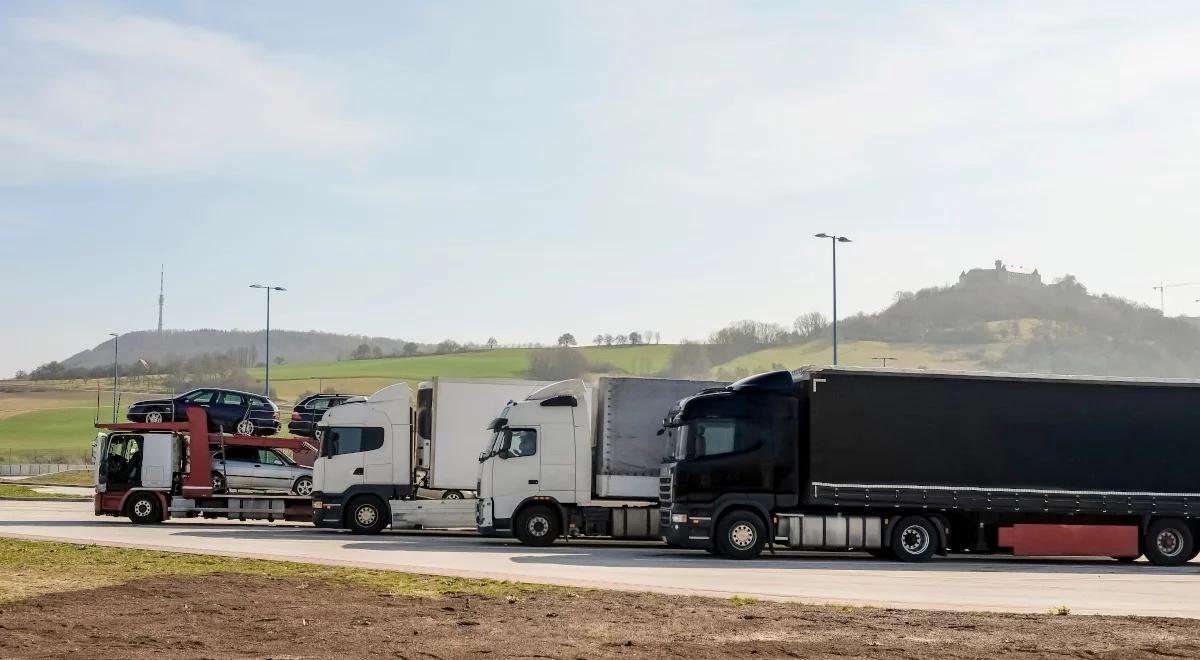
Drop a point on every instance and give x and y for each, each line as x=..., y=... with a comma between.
x=142, y=508
x=366, y=515
x=538, y=525
x=218, y=482
x=453, y=495
x=914, y=539
x=319, y=435
x=1169, y=542
x=154, y=417
x=304, y=487
x=245, y=427
x=742, y=535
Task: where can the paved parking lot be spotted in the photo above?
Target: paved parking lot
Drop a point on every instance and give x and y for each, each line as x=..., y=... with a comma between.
x=959, y=583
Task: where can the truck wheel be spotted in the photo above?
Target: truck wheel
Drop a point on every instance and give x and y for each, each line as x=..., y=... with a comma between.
x=741, y=535
x=452, y=495
x=366, y=515
x=144, y=509
x=218, y=483
x=538, y=526
x=914, y=539
x=1168, y=542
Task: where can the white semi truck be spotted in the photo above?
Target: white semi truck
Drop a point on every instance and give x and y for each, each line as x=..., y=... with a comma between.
x=380, y=457
x=556, y=468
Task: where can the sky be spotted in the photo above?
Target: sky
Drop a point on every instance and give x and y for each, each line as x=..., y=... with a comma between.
x=521, y=169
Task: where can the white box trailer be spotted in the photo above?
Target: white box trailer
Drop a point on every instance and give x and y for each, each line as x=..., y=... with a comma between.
x=452, y=419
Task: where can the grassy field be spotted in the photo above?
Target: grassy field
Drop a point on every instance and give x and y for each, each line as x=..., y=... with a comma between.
x=367, y=376
x=22, y=492
x=851, y=354
x=68, y=478
x=28, y=568
x=48, y=427
x=56, y=425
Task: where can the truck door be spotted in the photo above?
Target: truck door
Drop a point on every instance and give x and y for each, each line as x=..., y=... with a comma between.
x=516, y=468
x=341, y=463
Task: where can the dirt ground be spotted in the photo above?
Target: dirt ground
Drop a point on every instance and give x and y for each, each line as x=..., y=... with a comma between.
x=239, y=616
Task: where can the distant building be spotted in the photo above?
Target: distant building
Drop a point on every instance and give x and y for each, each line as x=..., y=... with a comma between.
x=999, y=274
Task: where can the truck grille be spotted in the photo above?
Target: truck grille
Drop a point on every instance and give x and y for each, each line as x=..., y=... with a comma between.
x=666, y=480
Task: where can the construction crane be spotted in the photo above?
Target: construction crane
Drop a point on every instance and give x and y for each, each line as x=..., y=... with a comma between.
x=1162, y=295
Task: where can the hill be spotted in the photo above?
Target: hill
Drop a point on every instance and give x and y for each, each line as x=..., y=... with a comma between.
x=291, y=345
x=1000, y=320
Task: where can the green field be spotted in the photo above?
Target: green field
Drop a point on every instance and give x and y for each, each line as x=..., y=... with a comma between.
x=852, y=354
x=366, y=376
x=57, y=426
x=48, y=427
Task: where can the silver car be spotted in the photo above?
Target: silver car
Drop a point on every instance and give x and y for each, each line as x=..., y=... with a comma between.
x=252, y=468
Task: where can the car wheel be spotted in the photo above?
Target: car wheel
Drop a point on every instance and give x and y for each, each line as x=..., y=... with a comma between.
x=741, y=534
x=366, y=515
x=319, y=435
x=218, y=482
x=303, y=486
x=1168, y=542
x=245, y=427
x=452, y=495
x=144, y=509
x=914, y=539
x=154, y=417
x=538, y=526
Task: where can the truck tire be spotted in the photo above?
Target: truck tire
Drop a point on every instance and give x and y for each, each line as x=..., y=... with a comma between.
x=144, y=509
x=538, y=526
x=914, y=539
x=741, y=534
x=366, y=515
x=1169, y=542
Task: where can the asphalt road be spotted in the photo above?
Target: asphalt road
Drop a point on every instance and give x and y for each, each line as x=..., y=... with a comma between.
x=958, y=583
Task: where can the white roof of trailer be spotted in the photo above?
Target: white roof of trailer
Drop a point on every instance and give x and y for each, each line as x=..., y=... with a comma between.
x=979, y=374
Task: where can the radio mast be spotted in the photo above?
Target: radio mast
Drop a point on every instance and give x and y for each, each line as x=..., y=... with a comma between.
x=160, y=299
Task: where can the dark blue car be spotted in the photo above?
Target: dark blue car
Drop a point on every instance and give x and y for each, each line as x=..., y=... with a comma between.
x=229, y=411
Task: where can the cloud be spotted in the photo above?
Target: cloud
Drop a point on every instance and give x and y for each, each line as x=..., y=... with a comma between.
x=136, y=95
x=779, y=111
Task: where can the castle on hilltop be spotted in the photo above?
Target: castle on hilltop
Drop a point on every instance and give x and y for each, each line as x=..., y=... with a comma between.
x=1000, y=274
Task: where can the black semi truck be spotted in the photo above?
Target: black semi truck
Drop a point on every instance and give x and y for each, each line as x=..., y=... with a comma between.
x=909, y=464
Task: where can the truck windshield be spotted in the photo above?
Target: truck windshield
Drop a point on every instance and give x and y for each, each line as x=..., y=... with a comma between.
x=707, y=437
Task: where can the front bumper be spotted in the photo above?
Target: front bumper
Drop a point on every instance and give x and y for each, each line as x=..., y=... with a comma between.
x=687, y=529
x=327, y=511
x=486, y=524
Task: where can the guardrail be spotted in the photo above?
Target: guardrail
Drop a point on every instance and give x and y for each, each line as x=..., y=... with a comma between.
x=35, y=469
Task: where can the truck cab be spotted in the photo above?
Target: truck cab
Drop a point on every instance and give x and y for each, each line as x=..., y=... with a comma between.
x=136, y=473
x=572, y=460
x=537, y=462
x=365, y=460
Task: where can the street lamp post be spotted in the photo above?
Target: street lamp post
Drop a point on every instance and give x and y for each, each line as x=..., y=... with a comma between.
x=834, y=240
x=116, y=374
x=267, y=362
